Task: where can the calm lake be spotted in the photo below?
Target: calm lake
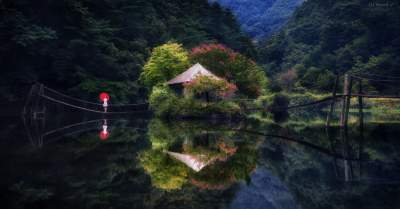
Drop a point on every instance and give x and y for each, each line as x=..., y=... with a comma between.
x=140, y=162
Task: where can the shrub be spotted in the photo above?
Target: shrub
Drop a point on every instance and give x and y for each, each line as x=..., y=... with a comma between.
x=208, y=85
x=166, y=104
x=163, y=101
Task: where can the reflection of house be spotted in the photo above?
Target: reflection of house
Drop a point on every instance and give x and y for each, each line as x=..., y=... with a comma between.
x=197, y=163
x=188, y=76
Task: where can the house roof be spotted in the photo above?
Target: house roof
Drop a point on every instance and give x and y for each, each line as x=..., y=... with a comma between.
x=197, y=163
x=191, y=74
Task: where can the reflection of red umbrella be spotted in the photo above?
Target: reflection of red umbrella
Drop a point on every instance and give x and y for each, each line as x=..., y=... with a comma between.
x=103, y=96
x=104, y=135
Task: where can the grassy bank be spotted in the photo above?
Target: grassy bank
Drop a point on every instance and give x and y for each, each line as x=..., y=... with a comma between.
x=376, y=110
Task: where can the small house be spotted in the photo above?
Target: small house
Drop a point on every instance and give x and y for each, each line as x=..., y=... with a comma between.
x=189, y=75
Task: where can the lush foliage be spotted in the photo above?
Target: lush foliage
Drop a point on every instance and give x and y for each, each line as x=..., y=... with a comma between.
x=85, y=46
x=165, y=103
x=202, y=96
x=324, y=38
x=261, y=18
x=166, y=62
x=208, y=85
x=236, y=68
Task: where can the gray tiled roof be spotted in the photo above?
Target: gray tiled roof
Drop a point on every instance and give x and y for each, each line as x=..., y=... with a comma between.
x=191, y=74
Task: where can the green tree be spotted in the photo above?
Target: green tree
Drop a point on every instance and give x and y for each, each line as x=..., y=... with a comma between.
x=163, y=101
x=166, y=62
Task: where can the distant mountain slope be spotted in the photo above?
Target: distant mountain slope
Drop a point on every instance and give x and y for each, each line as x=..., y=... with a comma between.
x=261, y=18
x=338, y=36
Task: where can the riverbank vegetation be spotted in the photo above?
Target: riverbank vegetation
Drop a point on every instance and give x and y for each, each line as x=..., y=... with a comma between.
x=236, y=76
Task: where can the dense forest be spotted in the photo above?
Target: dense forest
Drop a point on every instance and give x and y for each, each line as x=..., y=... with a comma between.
x=324, y=38
x=83, y=47
x=261, y=18
x=86, y=46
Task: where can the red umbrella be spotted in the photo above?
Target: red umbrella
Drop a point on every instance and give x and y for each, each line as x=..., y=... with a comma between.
x=103, y=96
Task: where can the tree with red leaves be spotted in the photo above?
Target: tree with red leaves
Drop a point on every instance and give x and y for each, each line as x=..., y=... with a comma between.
x=236, y=68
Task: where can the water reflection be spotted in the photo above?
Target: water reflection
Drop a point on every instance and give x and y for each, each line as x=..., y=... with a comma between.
x=104, y=133
x=158, y=164
x=206, y=157
x=38, y=135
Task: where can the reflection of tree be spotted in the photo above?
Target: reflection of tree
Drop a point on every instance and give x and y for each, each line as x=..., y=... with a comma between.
x=166, y=173
x=188, y=152
x=79, y=171
x=223, y=174
x=310, y=175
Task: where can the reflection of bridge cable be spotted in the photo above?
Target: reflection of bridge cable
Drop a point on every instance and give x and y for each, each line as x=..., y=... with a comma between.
x=53, y=139
x=70, y=126
x=82, y=127
x=299, y=141
x=308, y=144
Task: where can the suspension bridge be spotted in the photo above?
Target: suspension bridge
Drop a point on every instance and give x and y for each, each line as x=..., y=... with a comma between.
x=39, y=93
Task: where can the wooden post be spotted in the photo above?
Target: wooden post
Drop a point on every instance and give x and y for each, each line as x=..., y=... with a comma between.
x=360, y=103
x=332, y=108
x=344, y=101
x=28, y=101
x=332, y=141
x=345, y=153
x=348, y=100
x=361, y=125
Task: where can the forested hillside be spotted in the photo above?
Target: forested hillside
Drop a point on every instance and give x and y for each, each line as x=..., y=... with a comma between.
x=261, y=18
x=324, y=38
x=87, y=46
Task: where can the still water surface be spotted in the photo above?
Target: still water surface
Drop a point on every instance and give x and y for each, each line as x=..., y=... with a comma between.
x=149, y=163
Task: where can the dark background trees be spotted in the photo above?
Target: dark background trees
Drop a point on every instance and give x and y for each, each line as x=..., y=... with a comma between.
x=86, y=46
